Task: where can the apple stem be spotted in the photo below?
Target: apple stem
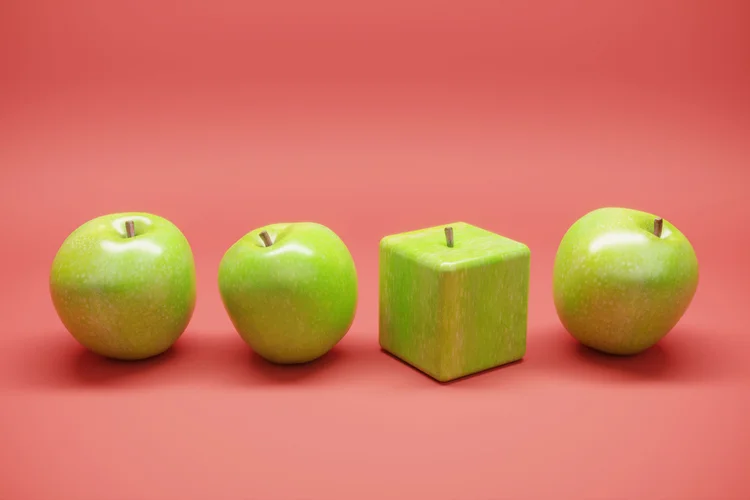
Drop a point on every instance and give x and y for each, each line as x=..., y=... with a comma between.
x=266, y=238
x=449, y=236
x=129, y=228
x=658, y=225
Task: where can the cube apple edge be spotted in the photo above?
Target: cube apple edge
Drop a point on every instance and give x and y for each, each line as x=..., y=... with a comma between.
x=453, y=311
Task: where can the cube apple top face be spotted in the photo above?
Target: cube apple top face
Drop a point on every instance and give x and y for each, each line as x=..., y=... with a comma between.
x=472, y=247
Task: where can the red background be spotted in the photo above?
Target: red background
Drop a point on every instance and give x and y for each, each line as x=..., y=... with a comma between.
x=374, y=118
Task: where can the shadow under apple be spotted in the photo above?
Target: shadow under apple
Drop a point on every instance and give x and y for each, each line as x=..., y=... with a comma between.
x=217, y=359
x=221, y=359
x=90, y=369
x=352, y=361
x=685, y=355
x=260, y=370
x=489, y=375
x=55, y=361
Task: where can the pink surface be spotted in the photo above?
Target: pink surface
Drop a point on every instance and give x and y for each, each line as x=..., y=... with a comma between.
x=514, y=116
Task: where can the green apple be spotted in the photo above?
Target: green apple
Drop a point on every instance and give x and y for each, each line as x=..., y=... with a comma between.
x=124, y=285
x=290, y=290
x=623, y=279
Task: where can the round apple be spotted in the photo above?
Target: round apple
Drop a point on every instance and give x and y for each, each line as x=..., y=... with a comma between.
x=290, y=290
x=623, y=279
x=124, y=285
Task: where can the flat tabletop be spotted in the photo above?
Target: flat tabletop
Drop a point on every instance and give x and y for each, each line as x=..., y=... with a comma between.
x=209, y=419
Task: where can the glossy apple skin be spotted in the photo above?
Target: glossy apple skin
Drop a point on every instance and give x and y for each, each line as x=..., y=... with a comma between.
x=618, y=288
x=294, y=300
x=125, y=298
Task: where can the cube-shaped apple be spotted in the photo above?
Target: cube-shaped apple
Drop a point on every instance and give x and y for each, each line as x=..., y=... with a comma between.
x=453, y=299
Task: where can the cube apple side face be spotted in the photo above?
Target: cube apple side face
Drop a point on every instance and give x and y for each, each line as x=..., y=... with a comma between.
x=483, y=313
x=408, y=316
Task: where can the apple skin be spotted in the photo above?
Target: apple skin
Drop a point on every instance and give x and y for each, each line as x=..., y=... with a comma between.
x=294, y=300
x=125, y=298
x=618, y=288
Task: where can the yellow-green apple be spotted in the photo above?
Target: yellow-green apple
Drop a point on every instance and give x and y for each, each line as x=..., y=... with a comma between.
x=124, y=285
x=623, y=279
